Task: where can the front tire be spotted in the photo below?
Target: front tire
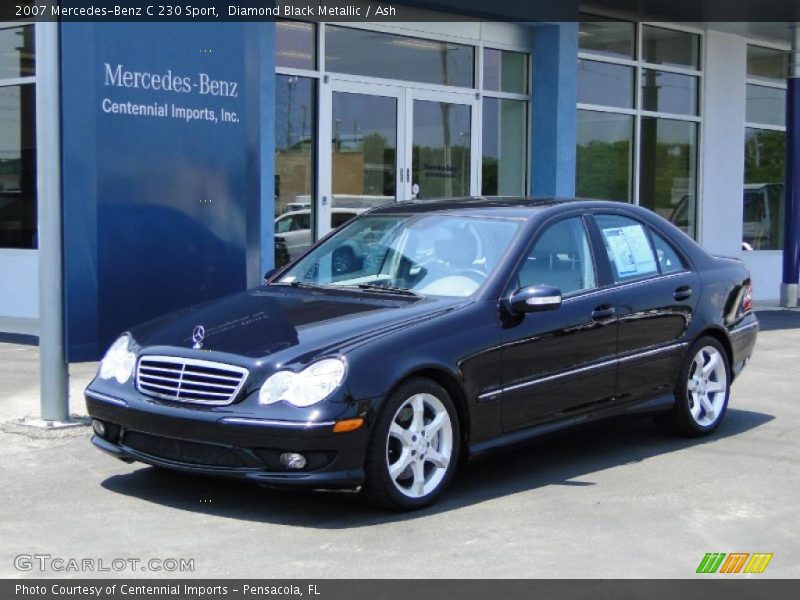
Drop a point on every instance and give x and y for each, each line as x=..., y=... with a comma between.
x=701, y=396
x=414, y=447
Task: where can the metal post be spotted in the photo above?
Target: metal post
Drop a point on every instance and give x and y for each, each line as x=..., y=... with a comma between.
x=791, y=244
x=53, y=374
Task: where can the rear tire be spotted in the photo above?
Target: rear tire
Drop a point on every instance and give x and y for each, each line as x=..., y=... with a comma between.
x=704, y=385
x=414, y=447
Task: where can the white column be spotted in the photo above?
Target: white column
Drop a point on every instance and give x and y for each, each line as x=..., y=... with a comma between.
x=722, y=143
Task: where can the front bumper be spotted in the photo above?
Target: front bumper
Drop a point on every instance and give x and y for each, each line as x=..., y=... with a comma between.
x=226, y=444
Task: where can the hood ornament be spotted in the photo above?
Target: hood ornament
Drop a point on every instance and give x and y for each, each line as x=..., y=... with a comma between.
x=198, y=335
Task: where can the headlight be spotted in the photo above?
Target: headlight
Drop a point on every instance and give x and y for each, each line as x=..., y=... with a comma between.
x=118, y=361
x=311, y=385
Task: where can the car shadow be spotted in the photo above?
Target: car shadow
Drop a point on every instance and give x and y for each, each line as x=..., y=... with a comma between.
x=566, y=459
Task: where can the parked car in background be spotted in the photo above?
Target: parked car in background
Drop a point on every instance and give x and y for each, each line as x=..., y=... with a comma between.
x=295, y=227
x=462, y=326
x=761, y=211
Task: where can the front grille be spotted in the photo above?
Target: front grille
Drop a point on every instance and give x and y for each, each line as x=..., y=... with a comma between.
x=194, y=453
x=189, y=380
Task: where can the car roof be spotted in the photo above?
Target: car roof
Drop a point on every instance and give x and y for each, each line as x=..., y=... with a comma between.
x=517, y=207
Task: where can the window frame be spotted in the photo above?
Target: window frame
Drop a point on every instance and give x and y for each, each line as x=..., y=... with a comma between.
x=757, y=81
x=21, y=82
x=639, y=65
x=649, y=229
x=513, y=283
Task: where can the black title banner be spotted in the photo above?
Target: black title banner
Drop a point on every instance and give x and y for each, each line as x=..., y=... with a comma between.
x=696, y=11
x=227, y=589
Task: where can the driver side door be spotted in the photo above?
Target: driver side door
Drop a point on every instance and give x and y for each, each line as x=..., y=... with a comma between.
x=563, y=361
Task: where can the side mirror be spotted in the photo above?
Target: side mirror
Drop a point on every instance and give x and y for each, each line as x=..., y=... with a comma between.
x=269, y=274
x=534, y=298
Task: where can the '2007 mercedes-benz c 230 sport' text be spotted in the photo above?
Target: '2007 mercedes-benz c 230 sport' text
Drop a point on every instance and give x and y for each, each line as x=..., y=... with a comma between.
x=424, y=333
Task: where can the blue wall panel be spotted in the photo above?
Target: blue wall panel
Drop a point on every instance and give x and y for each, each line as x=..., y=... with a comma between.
x=162, y=209
x=555, y=92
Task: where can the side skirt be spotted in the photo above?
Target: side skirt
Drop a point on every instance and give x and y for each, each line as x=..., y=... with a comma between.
x=658, y=404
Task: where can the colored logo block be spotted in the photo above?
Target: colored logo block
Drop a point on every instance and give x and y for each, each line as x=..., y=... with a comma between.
x=734, y=562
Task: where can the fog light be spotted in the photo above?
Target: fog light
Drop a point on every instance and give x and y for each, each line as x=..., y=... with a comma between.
x=99, y=427
x=293, y=460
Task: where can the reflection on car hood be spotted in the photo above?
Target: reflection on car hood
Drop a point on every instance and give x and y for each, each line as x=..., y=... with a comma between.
x=261, y=322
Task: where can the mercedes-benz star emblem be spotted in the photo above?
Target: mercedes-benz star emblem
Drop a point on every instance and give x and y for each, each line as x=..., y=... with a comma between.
x=198, y=335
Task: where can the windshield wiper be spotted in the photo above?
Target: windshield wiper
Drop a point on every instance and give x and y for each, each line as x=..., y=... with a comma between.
x=299, y=284
x=382, y=287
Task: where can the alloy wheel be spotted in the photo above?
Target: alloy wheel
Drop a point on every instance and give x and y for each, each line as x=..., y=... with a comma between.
x=707, y=386
x=419, y=446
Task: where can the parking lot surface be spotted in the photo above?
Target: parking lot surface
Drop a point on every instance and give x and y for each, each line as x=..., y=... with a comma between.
x=620, y=499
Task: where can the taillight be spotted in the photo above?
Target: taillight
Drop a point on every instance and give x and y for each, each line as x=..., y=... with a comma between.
x=747, y=298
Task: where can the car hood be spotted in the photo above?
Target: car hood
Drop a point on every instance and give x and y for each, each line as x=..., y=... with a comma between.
x=273, y=319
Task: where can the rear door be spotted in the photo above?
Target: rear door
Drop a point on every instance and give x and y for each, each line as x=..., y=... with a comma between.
x=562, y=361
x=656, y=295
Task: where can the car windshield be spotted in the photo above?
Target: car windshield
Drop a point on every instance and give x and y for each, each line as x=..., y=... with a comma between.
x=426, y=254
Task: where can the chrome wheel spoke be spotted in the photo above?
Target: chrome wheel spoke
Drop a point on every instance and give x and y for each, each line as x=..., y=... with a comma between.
x=432, y=428
x=437, y=459
x=418, y=484
x=402, y=434
x=695, y=407
x=715, y=387
x=397, y=468
x=418, y=420
x=711, y=365
x=708, y=408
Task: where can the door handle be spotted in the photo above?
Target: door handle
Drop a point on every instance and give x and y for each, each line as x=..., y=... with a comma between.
x=683, y=293
x=603, y=311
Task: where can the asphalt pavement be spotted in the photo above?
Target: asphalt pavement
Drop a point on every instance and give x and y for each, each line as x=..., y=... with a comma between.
x=620, y=499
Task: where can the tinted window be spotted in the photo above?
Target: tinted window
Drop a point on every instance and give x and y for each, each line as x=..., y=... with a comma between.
x=339, y=219
x=628, y=247
x=668, y=259
x=561, y=257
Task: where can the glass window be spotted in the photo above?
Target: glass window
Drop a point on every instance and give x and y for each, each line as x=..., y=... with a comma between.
x=763, y=199
x=669, y=47
x=295, y=141
x=604, y=156
x=765, y=105
x=17, y=167
x=669, y=92
x=364, y=150
x=668, y=170
x=561, y=257
x=430, y=254
x=441, y=149
x=17, y=57
x=669, y=261
x=605, y=84
x=505, y=71
x=504, y=147
x=628, y=247
x=375, y=54
x=606, y=37
x=767, y=63
x=295, y=45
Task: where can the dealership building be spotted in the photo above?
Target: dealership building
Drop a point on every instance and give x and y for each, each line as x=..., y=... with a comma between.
x=172, y=163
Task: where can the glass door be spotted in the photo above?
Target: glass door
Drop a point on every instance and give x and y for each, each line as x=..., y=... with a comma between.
x=360, y=154
x=442, y=153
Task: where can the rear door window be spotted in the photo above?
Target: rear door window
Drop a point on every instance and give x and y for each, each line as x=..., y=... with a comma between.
x=627, y=244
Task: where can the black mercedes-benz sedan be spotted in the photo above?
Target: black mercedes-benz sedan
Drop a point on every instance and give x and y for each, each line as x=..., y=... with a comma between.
x=424, y=333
